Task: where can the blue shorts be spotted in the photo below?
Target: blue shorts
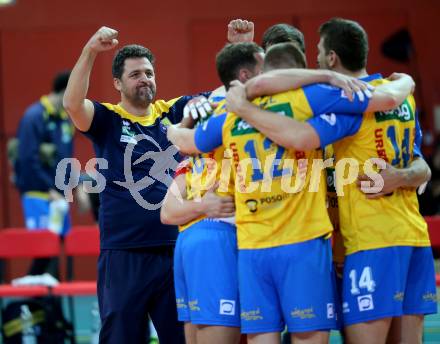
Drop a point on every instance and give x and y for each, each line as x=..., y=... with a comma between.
x=205, y=274
x=36, y=214
x=388, y=282
x=289, y=285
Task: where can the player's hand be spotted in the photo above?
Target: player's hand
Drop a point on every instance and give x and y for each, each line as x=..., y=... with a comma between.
x=351, y=86
x=217, y=96
x=392, y=180
x=217, y=206
x=240, y=30
x=104, y=39
x=187, y=122
x=422, y=188
x=397, y=76
x=55, y=195
x=198, y=107
x=236, y=97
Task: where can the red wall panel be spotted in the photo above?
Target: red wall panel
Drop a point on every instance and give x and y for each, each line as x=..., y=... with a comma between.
x=207, y=37
x=40, y=38
x=425, y=31
x=30, y=61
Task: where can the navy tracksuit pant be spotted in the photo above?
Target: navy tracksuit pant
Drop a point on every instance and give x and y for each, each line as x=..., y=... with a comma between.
x=131, y=284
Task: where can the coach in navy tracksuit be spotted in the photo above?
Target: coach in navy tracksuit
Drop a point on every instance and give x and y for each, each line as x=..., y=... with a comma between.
x=135, y=265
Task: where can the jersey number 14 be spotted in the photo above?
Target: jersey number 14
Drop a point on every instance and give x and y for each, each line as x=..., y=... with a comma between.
x=365, y=281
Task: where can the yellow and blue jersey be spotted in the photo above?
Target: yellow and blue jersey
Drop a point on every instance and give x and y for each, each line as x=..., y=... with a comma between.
x=273, y=206
x=393, y=220
x=141, y=162
x=205, y=170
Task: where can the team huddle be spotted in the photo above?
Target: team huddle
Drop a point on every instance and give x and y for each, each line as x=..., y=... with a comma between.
x=295, y=198
x=282, y=273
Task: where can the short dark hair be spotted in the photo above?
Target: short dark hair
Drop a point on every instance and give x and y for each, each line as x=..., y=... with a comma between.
x=348, y=40
x=284, y=55
x=59, y=83
x=233, y=57
x=281, y=33
x=127, y=52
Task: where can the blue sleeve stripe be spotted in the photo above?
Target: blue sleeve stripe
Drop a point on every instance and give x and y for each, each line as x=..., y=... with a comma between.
x=333, y=127
x=209, y=135
x=217, y=99
x=417, y=151
x=324, y=98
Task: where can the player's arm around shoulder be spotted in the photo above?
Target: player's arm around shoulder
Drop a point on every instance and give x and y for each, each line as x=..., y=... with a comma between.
x=281, y=80
x=390, y=95
x=183, y=138
x=284, y=131
x=416, y=174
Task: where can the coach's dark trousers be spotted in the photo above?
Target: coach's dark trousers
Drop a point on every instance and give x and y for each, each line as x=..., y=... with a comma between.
x=131, y=284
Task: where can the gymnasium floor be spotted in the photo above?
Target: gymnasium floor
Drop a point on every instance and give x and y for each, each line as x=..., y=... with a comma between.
x=84, y=306
x=86, y=322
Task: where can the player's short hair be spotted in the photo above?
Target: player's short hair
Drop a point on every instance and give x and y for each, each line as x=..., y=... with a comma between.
x=59, y=83
x=281, y=33
x=348, y=40
x=284, y=55
x=127, y=52
x=233, y=57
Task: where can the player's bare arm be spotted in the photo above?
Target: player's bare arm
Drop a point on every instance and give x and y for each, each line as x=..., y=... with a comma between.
x=385, y=97
x=280, y=80
x=413, y=176
x=183, y=139
x=176, y=210
x=276, y=127
x=391, y=95
x=280, y=128
x=79, y=108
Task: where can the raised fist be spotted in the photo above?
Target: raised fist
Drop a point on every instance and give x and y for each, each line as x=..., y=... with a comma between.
x=104, y=39
x=240, y=30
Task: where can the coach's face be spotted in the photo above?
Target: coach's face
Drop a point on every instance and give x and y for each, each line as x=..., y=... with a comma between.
x=137, y=83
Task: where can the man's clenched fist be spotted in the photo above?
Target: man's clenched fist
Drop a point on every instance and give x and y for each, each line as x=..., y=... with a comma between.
x=104, y=39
